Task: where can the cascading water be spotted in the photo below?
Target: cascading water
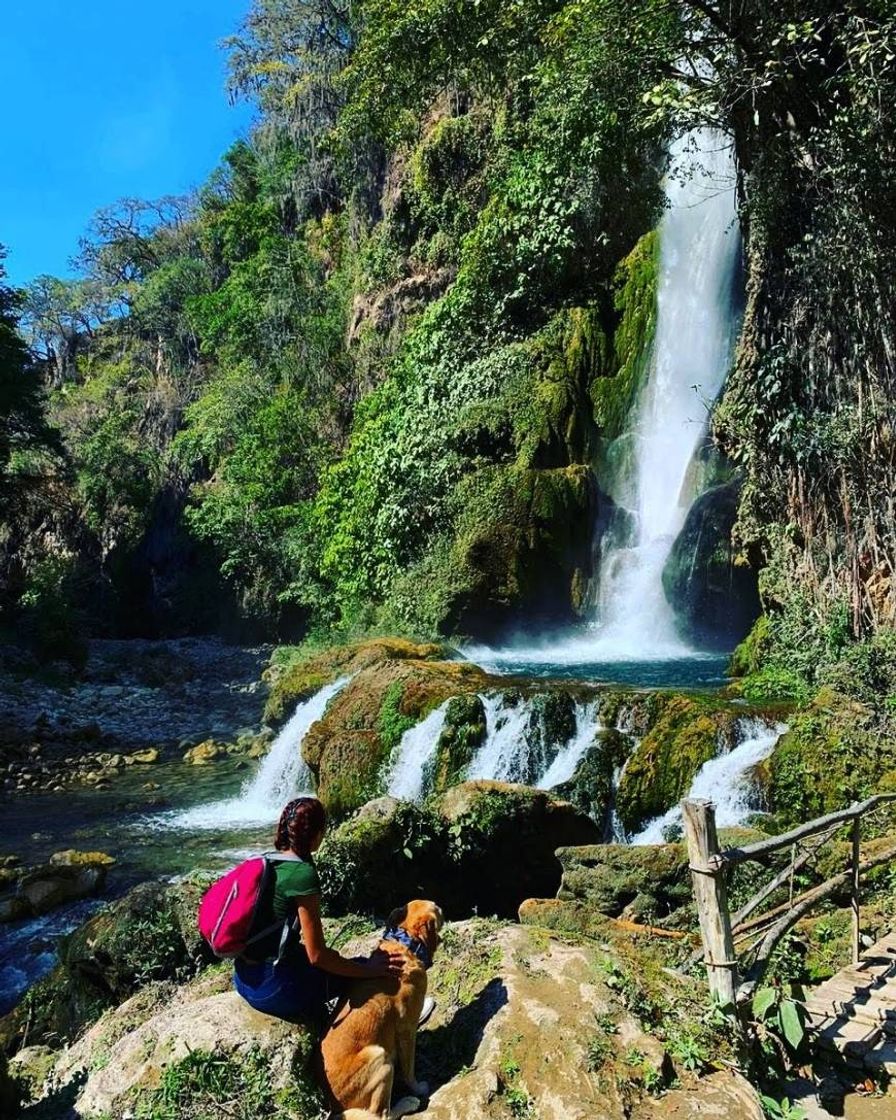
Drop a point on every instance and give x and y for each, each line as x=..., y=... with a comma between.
x=695, y=329
x=416, y=749
x=725, y=780
x=564, y=765
x=653, y=481
x=512, y=753
x=282, y=775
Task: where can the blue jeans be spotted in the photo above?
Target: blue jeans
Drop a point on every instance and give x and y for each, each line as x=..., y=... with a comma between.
x=292, y=989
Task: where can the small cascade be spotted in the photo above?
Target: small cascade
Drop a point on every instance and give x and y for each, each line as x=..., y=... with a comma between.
x=501, y=755
x=726, y=780
x=517, y=747
x=416, y=749
x=282, y=775
x=563, y=768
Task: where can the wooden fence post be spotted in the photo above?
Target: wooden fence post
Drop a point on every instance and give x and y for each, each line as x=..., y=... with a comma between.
x=711, y=895
x=856, y=861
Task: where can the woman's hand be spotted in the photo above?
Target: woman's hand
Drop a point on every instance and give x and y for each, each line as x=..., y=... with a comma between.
x=386, y=962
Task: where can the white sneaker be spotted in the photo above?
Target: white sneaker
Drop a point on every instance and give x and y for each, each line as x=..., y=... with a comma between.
x=429, y=1005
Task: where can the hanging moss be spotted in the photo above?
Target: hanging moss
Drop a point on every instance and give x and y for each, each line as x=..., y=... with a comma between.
x=462, y=735
x=635, y=301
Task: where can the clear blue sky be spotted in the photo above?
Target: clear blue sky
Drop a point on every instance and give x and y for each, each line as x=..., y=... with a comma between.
x=102, y=101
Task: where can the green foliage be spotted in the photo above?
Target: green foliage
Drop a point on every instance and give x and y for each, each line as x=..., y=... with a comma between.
x=209, y=1086
x=49, y=621
x=392, y=721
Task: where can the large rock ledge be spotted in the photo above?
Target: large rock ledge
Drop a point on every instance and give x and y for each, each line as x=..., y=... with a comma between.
x=501, y=989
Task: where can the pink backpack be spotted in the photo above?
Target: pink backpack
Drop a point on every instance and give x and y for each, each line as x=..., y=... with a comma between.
x=230, y=907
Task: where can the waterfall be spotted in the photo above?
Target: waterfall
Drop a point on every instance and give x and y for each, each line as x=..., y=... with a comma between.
x=416, y=749
x=499, y=757
x=725, y=780
x=564, y=765
x=517, y=746
x=282, y=775
x=695, y=330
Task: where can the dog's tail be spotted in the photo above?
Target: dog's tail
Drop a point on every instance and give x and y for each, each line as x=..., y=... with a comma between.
x=402, y=1108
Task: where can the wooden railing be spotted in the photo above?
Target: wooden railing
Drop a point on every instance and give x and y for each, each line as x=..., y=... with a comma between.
x=720, y=931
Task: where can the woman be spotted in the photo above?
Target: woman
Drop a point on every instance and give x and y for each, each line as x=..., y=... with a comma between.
x=295, y=979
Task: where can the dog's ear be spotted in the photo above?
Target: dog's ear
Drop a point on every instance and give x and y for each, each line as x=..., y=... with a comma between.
x=397, y=918
x=429, y=929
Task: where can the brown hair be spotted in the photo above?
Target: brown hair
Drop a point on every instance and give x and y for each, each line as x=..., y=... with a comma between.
x=301, y=821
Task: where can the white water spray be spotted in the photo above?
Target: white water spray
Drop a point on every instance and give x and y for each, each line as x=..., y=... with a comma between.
x=499, y=756
x=416, y=749
x=695, y=329
x=282, y=775
x=725, y=780
x=563, y=768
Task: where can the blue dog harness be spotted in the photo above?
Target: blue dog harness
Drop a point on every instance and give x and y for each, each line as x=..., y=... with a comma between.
x=416, y=946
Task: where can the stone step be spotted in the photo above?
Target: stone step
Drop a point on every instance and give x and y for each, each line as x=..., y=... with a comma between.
x=882, y=1058
x=848, y=1037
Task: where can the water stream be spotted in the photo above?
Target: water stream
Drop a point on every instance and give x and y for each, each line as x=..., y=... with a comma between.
x=726, y=780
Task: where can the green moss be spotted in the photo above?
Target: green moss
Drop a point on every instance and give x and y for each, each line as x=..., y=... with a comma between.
x=831, y=755
x=635, y=302
x=463, y=733
x=686, y=734
x=393, y=722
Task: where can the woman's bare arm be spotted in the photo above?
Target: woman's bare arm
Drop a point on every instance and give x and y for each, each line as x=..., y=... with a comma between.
x=321, y=956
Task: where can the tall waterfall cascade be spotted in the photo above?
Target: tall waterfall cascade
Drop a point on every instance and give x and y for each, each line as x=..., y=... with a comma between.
x=282, y=775
x=695, y=332
x=726, y=780
x=654, y=482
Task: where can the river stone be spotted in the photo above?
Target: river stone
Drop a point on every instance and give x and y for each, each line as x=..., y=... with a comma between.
x=49, y=887
x=151, y=754
x=204, y=753
x=70, y=857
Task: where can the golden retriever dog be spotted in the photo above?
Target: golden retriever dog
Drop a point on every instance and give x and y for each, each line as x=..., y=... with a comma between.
x=376, y=1028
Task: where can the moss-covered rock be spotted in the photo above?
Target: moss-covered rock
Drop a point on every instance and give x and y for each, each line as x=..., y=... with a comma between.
x=348, y=748
x=686, y=733
x=482, y=847
x=147, y=935
x=620, y=880
x=463, y=733
x=832, y=754
x=709, y=582
x=591, y=786
x=298, y=673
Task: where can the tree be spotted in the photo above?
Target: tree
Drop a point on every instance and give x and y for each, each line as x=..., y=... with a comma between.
x=22, y=424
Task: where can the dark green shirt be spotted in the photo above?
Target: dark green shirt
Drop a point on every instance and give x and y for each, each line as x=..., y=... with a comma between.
x=292, y=880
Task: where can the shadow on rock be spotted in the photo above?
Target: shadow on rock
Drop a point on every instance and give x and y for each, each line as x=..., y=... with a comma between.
x=445, y=1051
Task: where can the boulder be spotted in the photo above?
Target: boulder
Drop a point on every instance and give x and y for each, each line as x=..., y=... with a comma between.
x=709, y=582
x=204, y=753
x=620, y=880
x=31, y=1067
x=144, y=757
x=192, y=1032
x=148, y=934
x=73, y=858
x=482, y=847
x=45, y=888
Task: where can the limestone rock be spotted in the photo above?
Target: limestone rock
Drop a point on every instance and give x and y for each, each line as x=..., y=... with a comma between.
x=144, y=757
x=45, y=888
x=71, y=857
x=204, y=753
x=31, y=1067
x=128, y=1050
x=622, y=880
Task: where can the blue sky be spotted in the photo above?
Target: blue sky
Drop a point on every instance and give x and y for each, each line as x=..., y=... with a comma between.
x=102, y=101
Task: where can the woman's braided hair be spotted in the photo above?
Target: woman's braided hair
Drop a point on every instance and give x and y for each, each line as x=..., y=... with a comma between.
x=301, y=820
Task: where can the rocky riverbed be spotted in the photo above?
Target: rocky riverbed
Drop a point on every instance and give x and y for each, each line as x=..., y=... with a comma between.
x=133, y=703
